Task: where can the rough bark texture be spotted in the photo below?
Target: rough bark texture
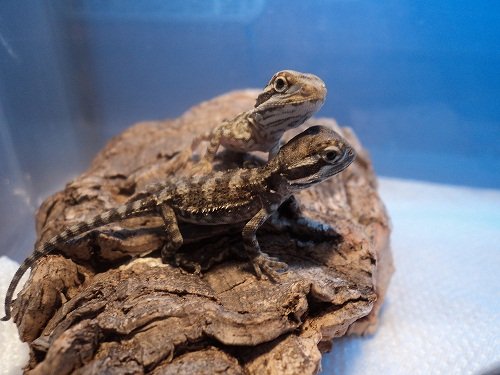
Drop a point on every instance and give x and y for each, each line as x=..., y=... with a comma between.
x=97, y=308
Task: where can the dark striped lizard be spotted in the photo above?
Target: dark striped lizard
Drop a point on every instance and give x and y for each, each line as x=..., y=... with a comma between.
x=287, y=101
x=248, y=196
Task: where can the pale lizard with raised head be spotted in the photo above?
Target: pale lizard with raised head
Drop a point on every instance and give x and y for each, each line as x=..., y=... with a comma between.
x=247, y=196
x=287, y=101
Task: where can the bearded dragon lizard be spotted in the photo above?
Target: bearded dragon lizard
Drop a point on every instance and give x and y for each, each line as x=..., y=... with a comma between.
x=248, y=196
x=289, y=99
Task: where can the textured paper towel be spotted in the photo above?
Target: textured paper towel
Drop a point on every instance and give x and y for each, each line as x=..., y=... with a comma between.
x=442, y=313
x=13, y=353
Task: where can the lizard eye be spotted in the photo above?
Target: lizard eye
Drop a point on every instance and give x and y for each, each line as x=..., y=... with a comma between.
x=331, y=155
x=280, y=84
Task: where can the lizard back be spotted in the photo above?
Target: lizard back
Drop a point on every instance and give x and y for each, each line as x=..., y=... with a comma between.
x=218, y=197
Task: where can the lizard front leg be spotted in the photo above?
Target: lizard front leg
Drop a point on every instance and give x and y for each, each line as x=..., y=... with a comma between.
x=214, y=144
x=175, y=241
x=260, y=261
x=235, y=134
x=205, y=164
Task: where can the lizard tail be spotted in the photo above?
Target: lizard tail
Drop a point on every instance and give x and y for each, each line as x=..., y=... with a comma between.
x=133, y=208
x=28, y=262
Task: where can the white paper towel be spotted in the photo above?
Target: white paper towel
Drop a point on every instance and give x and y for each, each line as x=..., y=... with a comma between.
x=13, y=353
x=442, y=312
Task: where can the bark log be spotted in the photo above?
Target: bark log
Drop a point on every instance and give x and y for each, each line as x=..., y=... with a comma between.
x=106, y=303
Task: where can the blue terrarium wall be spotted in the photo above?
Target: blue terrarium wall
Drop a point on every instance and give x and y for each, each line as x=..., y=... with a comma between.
x=417, y=80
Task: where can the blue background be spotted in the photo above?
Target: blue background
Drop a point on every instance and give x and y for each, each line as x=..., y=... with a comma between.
x=419, y=81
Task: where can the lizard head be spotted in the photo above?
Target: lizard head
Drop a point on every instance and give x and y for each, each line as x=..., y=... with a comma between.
x=313, y=156
x=304, y=91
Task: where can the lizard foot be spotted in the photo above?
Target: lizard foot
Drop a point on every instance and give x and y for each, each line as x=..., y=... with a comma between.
x=201, y=168
x=270, y=266
x=192, y=266
x=249, y=164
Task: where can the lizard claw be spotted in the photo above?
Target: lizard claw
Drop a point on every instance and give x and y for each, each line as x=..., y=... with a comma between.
x=201, y=168
x=248, y=164
x=271, y=266
x=184, y=263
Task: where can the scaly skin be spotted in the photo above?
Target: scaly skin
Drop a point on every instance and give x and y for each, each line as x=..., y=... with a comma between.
x=289, y=99
x=248, y=196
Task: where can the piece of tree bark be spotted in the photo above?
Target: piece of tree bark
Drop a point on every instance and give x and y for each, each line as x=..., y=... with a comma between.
x=97, y=308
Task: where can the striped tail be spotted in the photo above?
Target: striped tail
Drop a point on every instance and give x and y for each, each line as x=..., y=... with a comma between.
x=133, y=208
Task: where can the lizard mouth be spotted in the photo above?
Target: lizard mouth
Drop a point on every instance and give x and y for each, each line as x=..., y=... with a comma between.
x=314, y=101
x=324, y=173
